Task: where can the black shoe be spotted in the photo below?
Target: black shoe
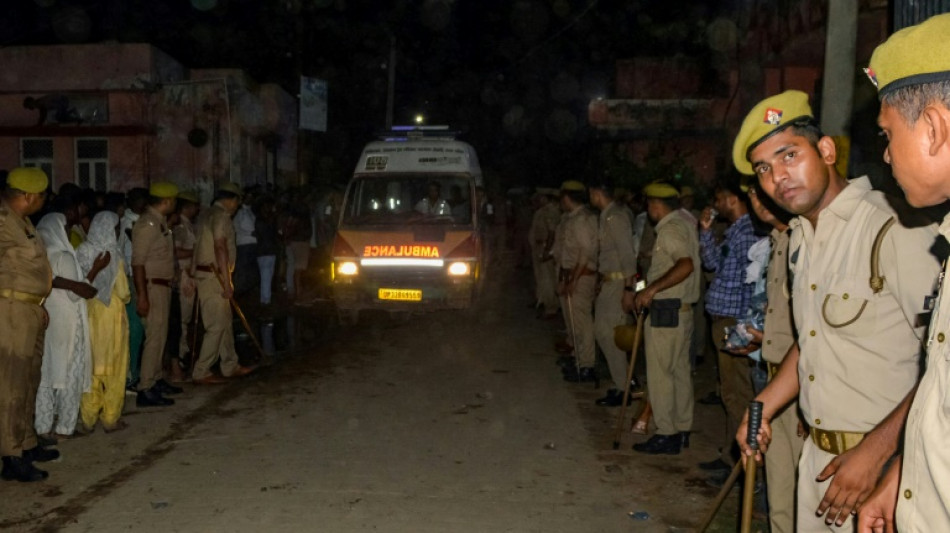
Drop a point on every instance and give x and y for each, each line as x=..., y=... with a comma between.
x=566, y=362
x=152, y=398
x=39, y=454
x=585, y=375
x=660, y=445
x=716, y=465
x=712, y=398
x=614, y=398
x=46, y=440
x=20, y=469
x=684, y=439
x=718, y=479
x=164, y=387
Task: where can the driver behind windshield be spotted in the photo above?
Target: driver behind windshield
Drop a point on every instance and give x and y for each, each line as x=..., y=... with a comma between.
x=433, y=204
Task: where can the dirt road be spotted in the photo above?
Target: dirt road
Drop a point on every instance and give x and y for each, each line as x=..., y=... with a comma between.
x=450, y=422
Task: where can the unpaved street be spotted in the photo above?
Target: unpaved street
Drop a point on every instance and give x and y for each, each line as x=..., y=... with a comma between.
x=450, y=422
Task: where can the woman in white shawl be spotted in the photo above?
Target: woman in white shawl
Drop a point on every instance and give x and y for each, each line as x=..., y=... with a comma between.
x=66, y=352
x=108, y=324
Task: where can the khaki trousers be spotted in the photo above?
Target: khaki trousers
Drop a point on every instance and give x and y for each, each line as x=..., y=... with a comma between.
x=580, y=317
x=781, y=469
x=156, y=334
x=735, y=386
x=186, y=301
x=668, y=374
x=218, y=341
x=545, y=283
x=609, y=314
x=810, y=492
x=21, y=357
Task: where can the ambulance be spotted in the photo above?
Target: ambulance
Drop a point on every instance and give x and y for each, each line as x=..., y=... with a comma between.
x=409, y=231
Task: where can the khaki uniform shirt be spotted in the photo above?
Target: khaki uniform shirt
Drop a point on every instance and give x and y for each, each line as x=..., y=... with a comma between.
x=543, y=225
x=213, y=224
x=184, y=237
x=25, y=267
x=580, y=239
x=615, y=241
x=152, y=245
x=677, y=238
x=558, y=240
x=859, y=350
x=922, y=502
x=777, y=337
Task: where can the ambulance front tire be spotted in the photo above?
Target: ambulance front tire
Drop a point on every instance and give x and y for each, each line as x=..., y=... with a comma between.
x=348, y=317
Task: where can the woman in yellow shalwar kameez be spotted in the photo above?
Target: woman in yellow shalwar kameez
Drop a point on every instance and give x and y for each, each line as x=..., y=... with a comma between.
x=108, y=326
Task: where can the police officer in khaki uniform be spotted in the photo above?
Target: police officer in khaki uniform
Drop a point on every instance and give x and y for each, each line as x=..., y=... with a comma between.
x=184, y=236
x=912, y=73
x=577, y=261
x=215, y=254
x=25, y=281
x=543, y=225
x=857, y=308
x=617, y=265
x=153, y=269
x=672, y=289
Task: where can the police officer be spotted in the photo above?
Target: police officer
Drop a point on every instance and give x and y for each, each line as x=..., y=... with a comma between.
x=183, y=235
x=577, y=261
x=543, y=225
x=856, y=307
x=912, y=73
x=213, y=264
x=617, y=265
x=25, y=281
x=672, y=289
x=153, y=269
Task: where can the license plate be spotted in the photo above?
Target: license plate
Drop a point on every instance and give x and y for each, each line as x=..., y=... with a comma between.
x=405, y=295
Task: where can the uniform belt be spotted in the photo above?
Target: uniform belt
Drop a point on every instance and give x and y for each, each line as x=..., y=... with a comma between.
x=612, y=276
x=160, y=281
x=11, y=294
x=566, y=272
x=835, y=442
x=204, y=268
x=773, y=369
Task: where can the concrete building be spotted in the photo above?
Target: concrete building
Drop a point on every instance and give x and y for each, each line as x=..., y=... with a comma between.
x=116, y=116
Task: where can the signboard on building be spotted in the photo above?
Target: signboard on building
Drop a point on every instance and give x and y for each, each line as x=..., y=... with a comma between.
x=313, y=104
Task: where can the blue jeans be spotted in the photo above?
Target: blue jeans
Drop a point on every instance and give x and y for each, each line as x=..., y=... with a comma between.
x=266, y=263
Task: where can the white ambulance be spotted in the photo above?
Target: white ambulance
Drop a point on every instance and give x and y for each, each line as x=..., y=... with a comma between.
x=409, y=232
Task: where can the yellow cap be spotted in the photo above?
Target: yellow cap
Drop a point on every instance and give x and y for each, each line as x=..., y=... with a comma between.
x=660, y=189
x=189, y=196
x=28, y=179
x=686, y=190
x=572, y=185
x=768, y=117
x=914, y=55
x=232, y=188
x=547, y=191
x=163, y=189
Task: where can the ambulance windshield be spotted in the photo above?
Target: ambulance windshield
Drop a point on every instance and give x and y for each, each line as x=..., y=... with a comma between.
x=397, y=199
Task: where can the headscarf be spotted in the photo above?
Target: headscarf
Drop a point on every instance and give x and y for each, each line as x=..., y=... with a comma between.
x=52, y=227
x=101, y=238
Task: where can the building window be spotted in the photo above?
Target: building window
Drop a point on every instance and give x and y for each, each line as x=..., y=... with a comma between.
x=37, y=153
x=92, y=164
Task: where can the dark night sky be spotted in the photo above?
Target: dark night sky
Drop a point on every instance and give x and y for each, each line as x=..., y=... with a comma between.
x=515, y=75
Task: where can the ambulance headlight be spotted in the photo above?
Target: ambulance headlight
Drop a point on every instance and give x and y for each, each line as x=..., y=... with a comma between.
x=459, y=268
x=347, y=268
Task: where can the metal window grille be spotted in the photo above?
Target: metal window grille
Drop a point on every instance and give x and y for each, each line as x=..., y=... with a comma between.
x=37, y=153
x=92, y=164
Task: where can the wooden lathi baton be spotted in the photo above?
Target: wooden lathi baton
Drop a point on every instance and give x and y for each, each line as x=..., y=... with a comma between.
x=752, y=439
x=626, y=389
x=240, y=314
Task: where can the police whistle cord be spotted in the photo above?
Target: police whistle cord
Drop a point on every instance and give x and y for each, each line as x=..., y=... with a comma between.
x=755, y=418
x=752, y=439
x=240, y=314
x=637, y=336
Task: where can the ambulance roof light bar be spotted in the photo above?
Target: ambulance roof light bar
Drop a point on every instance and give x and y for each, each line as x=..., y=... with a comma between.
x=408, y=133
